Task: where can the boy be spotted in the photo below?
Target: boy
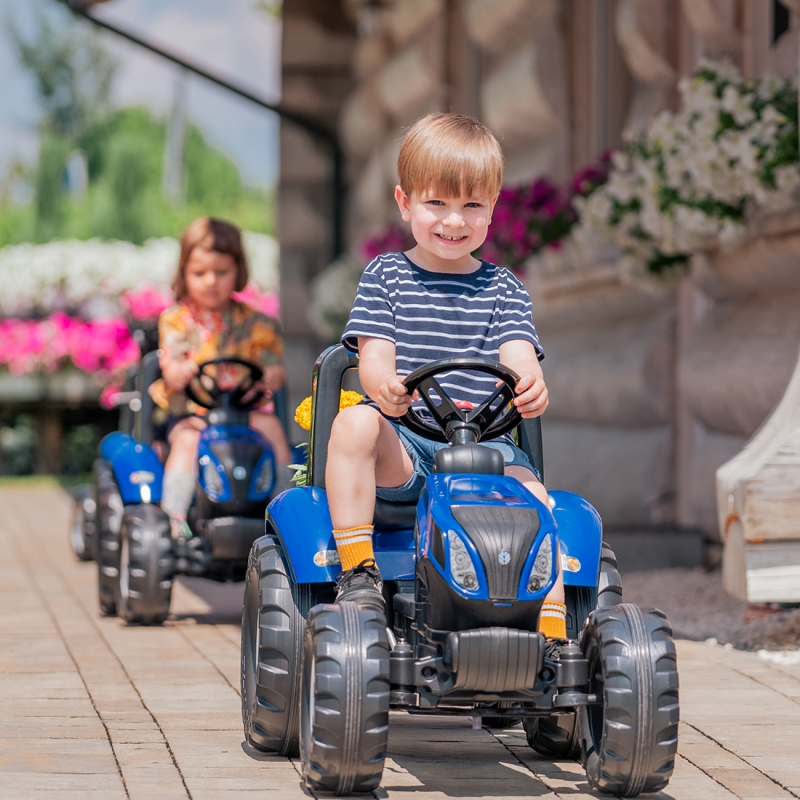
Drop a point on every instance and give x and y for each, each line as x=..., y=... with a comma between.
x=432, y=302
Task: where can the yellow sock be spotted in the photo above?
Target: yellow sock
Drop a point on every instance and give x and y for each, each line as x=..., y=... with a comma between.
x=354, y=545
x=553, y=620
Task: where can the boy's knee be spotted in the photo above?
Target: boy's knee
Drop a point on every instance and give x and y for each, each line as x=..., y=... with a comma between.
x=356, y=426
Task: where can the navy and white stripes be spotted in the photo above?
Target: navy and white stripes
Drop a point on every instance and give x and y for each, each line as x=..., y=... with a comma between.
x=432, y=315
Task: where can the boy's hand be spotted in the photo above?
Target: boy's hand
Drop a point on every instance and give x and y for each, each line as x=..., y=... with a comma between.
x=393, y=397
x=532, y=397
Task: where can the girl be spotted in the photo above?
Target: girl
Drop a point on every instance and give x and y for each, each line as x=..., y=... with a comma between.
x=207, y=322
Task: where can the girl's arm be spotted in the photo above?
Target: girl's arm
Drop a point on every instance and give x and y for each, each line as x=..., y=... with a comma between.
x=266, y=347
x=377, y=371
x=177, y=368
x=274, y=377
x=177, y=373
x=532, y=398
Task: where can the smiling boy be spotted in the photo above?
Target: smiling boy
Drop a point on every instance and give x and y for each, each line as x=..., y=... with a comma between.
x=434, y=301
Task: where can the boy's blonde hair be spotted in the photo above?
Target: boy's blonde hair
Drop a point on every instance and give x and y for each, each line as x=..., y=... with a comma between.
x=450, y=154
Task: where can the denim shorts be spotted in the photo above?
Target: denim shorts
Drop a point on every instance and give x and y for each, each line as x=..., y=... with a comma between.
x=423, y=453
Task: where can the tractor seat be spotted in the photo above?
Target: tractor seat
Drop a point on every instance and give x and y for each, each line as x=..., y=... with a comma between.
x=393, y=516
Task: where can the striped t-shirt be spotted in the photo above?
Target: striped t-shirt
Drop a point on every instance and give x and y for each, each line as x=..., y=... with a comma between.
x=434, y=315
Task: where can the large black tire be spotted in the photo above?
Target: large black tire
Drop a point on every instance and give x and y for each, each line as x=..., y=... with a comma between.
x=609, y=586
x=344, y=716
x=147, y=565
x=629, y=742
x=83, y=529
x=582, y=600
x=273, y=625
x=109, y=511
x=558, y=736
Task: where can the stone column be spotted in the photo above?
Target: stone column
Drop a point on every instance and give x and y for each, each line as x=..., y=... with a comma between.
x=317, y=46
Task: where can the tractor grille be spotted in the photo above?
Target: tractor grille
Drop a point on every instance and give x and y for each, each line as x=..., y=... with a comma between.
x=497, y=530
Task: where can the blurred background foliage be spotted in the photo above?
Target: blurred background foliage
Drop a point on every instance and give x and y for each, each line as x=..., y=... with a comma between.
x=99, y=170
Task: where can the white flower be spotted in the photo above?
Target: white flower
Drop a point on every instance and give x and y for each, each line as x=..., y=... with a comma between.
x=69, y=273
x=691, y=171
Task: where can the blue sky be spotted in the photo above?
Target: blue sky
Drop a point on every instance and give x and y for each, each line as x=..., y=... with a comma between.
x=233, y=38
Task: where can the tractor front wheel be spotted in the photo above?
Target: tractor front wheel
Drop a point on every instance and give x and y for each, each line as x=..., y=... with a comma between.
x=146, y=566
x=344, y=711
x=629, y=740
x=557, y=736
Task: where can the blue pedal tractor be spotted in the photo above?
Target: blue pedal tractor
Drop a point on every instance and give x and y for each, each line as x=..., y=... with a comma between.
x=466, y=570
x=129, y=534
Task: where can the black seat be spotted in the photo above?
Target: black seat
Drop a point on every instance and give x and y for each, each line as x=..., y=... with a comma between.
x=329, y=372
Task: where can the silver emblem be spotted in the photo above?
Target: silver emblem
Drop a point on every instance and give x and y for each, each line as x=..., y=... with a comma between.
x=240, y=473
x=504, y=557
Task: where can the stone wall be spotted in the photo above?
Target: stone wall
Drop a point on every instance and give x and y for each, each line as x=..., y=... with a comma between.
x=653, y=385
x=656, y=383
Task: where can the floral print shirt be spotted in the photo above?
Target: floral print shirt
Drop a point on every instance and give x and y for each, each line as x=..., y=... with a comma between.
x=189, y=331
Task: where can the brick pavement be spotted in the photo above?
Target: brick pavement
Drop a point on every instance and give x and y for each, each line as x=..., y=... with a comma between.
x=92, y=708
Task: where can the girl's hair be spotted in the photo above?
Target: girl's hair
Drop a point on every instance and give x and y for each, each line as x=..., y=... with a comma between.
x=212, y=235
x=450, y=154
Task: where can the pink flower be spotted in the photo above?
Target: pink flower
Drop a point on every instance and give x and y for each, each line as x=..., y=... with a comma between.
x=109, y=395
x=268, y=303
x=96, y=347
x=146, y=302
x=395, y=237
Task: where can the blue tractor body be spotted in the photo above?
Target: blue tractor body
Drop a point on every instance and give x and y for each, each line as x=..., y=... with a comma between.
x=312, y=557
x=466, y=570
x=136, y=552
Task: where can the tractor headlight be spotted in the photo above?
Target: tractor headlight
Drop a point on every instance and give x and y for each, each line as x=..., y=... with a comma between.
x=542, y=567
x=265, y=477
x=461, y=566
x=211, y=478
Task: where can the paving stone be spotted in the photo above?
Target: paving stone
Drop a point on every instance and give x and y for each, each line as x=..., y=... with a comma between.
x=172, y=691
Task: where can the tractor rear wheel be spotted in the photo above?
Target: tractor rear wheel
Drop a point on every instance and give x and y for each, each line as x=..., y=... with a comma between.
x=273, y=625
x=108, y=510
x=83, y=531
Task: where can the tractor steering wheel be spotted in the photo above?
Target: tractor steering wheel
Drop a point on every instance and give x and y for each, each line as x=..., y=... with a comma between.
x=204, y=389
x=492, y=418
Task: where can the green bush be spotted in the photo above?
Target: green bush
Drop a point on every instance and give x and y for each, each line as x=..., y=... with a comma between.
x=18, y=442
x=80, y=449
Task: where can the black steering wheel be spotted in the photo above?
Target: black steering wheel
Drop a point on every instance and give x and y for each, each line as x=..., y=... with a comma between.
x=204, y=389
x=492, y=418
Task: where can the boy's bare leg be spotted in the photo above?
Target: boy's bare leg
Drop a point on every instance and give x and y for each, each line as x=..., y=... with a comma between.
x=364, y=452
x=269, y=426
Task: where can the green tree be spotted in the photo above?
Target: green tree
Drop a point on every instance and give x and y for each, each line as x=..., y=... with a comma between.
x=50, y=199
x=72, y=70
x=124, y=152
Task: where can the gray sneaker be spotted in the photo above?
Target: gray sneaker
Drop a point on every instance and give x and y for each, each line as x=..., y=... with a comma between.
x=362, y=584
